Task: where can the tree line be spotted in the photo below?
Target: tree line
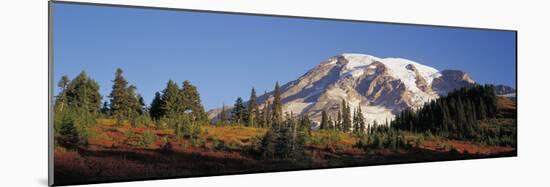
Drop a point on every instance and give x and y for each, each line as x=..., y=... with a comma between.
x=287, y=133
x=456, y=115
x=345, y=121
x=250, y=114
x=78, y=104
x=75, y=108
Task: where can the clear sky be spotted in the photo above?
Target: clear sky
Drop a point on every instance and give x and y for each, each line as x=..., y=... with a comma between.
x=225, y=55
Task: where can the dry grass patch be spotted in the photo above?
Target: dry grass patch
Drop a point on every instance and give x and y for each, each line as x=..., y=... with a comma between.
x=233, y=134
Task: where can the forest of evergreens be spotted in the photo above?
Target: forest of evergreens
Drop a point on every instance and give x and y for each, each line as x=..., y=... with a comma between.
x=78, y=105
x=459, y=115
x=455, y=115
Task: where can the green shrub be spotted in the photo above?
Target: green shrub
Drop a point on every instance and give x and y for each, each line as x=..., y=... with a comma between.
x=192, y=130
x=428, y=134
x=315, y=140
x=68, y=135
x=334, y=137
x=148, y=138
x=279, y=142
x=143, y=120
x=85, y=133
x=219, y=145
x=419, y=141
x=197, y=142
x=162, y=123
x=130, y=133
x=382, y=139
x=202, y=143
x=194, y=142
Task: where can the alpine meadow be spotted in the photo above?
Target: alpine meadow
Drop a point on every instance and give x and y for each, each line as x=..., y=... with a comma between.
x=151, y=94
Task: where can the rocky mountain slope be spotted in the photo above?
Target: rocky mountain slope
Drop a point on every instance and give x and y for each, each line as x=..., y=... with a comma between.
x=382, y=87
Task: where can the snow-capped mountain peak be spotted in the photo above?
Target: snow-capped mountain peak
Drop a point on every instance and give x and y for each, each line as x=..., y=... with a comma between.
x=382, y=87
x=398, y=67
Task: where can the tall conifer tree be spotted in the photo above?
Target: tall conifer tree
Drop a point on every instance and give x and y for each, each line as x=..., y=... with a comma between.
x=346, y=117
x=61, y=98
x=239, y=111
x=223, y=115
x=354, y=123
x=171, y=97
x=360, y=120
x=338, y=122
x=155, y=108
x=141, y=105
x=324, y=120
x=83, y=93
x=124, y=102
x=119, y=94
x=252, y=110
x=277, y=106
x=192, y=102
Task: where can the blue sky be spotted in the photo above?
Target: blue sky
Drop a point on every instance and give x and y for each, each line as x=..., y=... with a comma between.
x=225, y=55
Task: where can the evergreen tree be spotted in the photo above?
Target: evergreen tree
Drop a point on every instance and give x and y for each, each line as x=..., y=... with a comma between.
x=223, y=115
x=171, y=100
x=105, y=109
x=239, y=111
x=482, y=111
x=261, y=119
x=155, y=110
x=63, y=83
x=265, y=119
x=361, y=120
x=135, y=107
x=331, y=124
x=191, y=101
x=69, y=136
x=119, y=95
x=269, y=144
x=324, y=121
x=346, y=117
x=78, y=103
x=141, y=105
x=124, y=102
x=252, y=110
x=83, y=93
x=61, y=98
x=305, y=124
x=277, y=106
x=460, y=117
x=257, y=116
x=338, y=122
x=355, y=121
x=283, y=141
